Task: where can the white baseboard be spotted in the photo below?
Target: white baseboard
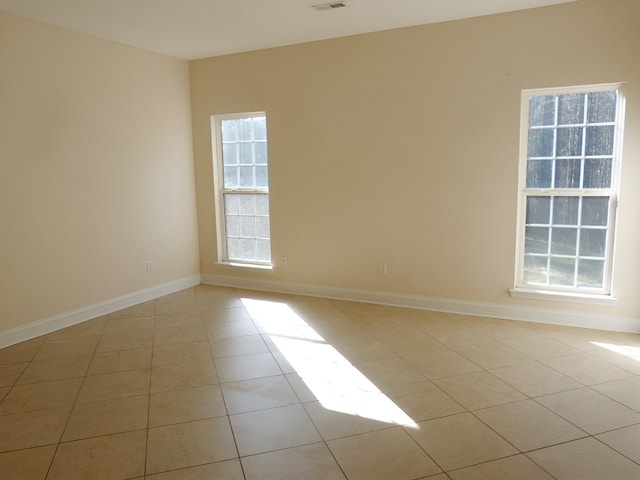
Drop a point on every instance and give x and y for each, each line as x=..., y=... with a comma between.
x=554, y=317
x=72, y=317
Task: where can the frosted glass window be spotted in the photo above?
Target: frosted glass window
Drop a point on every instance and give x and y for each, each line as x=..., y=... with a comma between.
x=569, y=194
x=244, y=193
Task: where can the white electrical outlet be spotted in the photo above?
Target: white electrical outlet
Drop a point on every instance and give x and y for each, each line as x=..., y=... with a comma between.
x=382, y=269
x=149, y=266
x=283, y=260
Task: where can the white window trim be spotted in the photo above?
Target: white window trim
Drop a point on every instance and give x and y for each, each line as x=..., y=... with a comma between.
x=556, y=293
x=220, y=190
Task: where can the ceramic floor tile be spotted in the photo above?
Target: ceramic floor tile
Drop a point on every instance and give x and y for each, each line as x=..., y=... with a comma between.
x=389, y=372
x=10, y=373
x=441, y=362
x=56, y=369
x=585, y=459
x=181, y=334
x=459, y=441
x=344, y=416
x=181, y=353
x=112, y=457
x=3, y=393
x=115, y=385
x=625, y=441
x=183, y=375
x=489, y=353
x=120, y=361
x=479, y=390
x=38, y=396
x=236, y=346
x=141, y=310
x=625, y=391
x=274, y=429
x=129, y=325
x=587, y=369
x=237, y=328
x=590, y=410
x=226, y=470
x=125, y=341
x=190, y=444
x=258, y=394
x=117, y=415
x=32, y=429
x=529, y=426
x=67, y=347
x=177, y=307
x=220, y=314
x=423, y=401
x=386, y=454
x=247, y=367
x=21, y=352
x=309, y=462
x=173, y=320
x=517, y=467
x=535, y=379
x=84, y=329
x=31, y=464
x=179, y=406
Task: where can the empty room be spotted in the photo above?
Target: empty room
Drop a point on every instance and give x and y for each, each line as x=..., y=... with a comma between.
x=288, y=239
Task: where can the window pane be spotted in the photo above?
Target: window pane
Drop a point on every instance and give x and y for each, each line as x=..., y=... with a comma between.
x=565, y=210
x=263, y=250
x=602, y=107
x=600, y=140
x=261, y=153
x=246, y=153
x=262, y=204
x=248, y=246
x=567, y=174
x=259, y=128
x=230, y=177
x=231, y=204
x=591, y=273
x=538, y=210
x=535, y=270
x=244, y=129
x=247, y=226
x=563, y=241
x=542, y=111
x=597, y=172
x=229, y=130
x=537, y=240
x=230, y=153
x=234, y=250
x=246, y=177
x=562, y=271
x=232, y=225
x=540, y=142
x=571, y=109
x=539, y=173
x=592, y=242
x=569, y=142
x=595, y=211
x=262, y=177
x=247, y=205
x=262, y=227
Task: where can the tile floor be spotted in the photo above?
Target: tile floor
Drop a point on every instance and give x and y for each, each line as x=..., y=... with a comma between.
x=217, y=383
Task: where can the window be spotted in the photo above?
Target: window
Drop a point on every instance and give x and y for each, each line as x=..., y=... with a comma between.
x=242, y=185
x=569, y=167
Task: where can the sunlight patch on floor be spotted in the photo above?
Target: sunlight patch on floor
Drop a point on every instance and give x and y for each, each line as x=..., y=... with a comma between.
x=626, y=350
x=335, y=382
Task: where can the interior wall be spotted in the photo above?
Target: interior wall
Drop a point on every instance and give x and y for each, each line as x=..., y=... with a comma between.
x=96, y=171
x=401, y=147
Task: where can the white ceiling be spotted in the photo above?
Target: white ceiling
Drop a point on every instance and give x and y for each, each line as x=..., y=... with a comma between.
x=191, y=29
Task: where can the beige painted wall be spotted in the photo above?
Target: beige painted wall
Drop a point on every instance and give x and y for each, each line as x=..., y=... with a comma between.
x=402, y=147
x=96, y=171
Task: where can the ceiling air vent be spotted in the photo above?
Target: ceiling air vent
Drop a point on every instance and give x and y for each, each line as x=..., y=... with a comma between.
x=328, y=6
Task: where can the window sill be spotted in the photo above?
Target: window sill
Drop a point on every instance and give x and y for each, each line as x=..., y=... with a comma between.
x=252, y=266
x=557, y=296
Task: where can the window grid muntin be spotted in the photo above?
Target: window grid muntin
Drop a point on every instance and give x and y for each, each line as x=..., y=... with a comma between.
x=615, y=100
x=226, y=238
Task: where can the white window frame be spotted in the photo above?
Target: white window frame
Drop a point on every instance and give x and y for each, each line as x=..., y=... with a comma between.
x=569, y=293
x=220, y=191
